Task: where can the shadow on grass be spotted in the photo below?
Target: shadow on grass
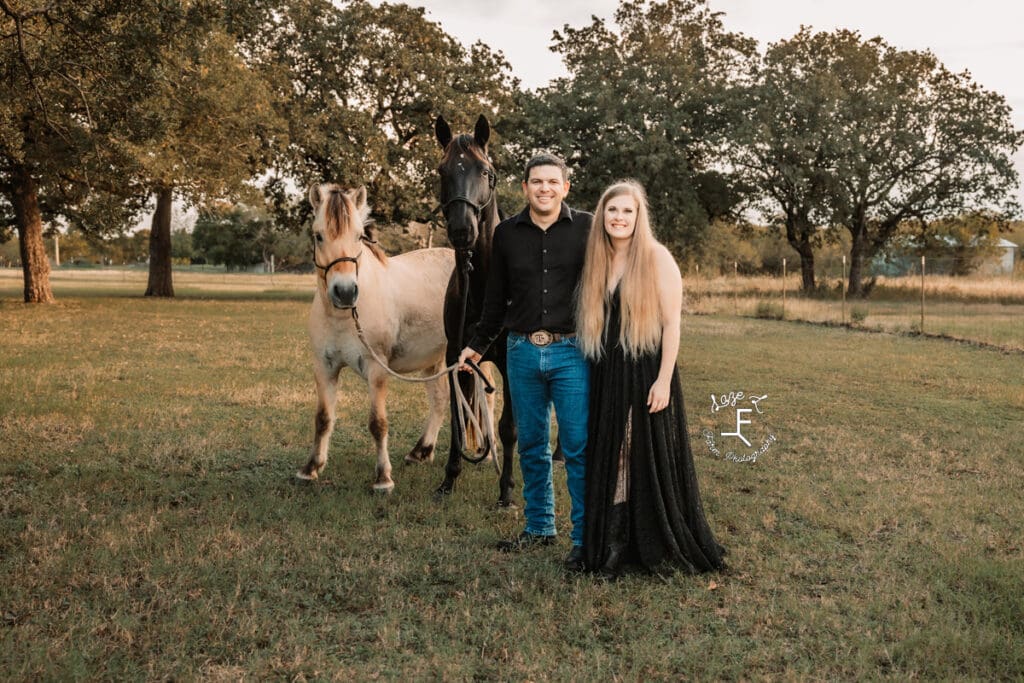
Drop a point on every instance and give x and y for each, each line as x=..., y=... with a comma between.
x=11, y=296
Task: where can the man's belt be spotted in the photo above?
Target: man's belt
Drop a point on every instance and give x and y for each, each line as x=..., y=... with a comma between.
x=543, y=337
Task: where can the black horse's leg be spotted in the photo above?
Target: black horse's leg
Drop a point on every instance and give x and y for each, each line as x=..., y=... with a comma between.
x=453, y=468
x=507, y=434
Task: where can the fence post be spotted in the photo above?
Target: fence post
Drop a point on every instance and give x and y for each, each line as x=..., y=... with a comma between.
x=842, y=285
x=736, y=290
x=783, y=287
x=922, y=293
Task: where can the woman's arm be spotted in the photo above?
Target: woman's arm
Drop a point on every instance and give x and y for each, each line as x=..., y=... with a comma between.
x=670, y=300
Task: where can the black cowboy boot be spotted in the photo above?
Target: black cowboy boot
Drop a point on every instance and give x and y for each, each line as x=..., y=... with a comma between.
x=617, y=541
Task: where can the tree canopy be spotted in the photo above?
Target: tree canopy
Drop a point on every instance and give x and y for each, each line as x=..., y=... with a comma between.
x=649, y=98
x=915, y=142
x=233, y=235
x=361, y=85
x=64, y=78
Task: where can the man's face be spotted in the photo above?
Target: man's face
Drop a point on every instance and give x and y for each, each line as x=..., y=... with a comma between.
x=545, y=189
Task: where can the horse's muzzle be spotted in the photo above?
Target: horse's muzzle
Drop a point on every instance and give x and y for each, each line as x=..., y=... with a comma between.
x=462, y=227
x=343, y=294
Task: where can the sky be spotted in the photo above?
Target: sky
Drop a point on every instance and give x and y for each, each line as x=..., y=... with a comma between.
x=984, y=37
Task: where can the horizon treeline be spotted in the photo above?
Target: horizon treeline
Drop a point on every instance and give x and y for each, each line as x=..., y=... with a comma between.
x=112, y=106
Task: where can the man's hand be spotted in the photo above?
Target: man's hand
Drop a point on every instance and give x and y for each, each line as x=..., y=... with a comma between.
x=470, y=354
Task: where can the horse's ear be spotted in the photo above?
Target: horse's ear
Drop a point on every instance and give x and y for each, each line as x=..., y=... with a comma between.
x=314, y=195
x=443, y=132
x=482, y=131
x=358, y=197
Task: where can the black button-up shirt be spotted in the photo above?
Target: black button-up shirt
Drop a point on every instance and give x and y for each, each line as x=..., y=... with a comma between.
x=533, y=276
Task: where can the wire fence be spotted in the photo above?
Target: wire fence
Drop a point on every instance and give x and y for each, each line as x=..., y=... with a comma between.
x=925, y=298
x=917, y=297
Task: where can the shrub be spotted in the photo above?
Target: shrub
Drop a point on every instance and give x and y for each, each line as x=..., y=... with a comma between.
x=769, y=310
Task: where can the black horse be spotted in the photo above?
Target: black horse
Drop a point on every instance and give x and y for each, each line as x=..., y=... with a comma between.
x=470, y=208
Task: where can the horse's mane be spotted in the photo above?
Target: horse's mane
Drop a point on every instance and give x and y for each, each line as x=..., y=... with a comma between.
x=341, y=211
x=464, y=144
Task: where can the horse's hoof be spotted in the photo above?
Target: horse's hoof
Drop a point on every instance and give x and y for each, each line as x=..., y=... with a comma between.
x=505, y=505
x=302, y=476
x=384, y=488
x=420, y=454
x=442, y=492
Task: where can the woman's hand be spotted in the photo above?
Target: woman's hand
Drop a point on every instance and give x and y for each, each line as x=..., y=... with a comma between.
x=657, y=397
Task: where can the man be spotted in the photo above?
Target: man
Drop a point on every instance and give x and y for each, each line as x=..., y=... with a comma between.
x=536, y=261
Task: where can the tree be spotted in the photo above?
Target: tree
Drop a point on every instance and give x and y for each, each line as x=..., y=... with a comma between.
x=649, y=99
x=106, y=101
x=129, y=247
x=359, y=110
x=200, y=133
x=181, y=245
x=233, y=235
x=63, y=74
x=914, y=142
x=786, y=142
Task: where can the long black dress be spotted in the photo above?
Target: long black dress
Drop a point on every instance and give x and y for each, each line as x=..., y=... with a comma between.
x=666, y=528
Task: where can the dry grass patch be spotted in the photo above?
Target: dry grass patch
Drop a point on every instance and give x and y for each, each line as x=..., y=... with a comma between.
x=50, y=430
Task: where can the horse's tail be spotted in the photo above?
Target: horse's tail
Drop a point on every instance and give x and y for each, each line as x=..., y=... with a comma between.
x=475, y=441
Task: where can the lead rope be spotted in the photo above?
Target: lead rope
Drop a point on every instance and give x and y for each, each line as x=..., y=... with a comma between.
x=481, y=387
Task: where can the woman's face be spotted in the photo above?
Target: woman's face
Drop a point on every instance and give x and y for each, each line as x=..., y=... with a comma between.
x=620, y=218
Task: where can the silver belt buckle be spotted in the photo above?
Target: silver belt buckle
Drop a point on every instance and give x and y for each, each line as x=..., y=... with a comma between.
x=541, y=338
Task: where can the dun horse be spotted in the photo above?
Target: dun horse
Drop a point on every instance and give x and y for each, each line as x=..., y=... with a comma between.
x=470, y=208
x=400, y=306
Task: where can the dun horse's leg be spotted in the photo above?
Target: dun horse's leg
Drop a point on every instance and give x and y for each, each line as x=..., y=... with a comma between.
x=507, y=434
x=423, y=451
x=327, y=399
x=379, y=429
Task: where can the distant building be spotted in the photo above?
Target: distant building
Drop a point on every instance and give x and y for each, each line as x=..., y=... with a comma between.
x=1001, y=261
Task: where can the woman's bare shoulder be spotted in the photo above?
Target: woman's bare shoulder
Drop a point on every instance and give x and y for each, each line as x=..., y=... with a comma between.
x=665, y=262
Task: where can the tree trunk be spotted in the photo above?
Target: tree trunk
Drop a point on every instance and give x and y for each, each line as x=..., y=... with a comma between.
x=160, y=283
x=856, y=286
x=807, y=269
x=798, y=235
x=34, y=263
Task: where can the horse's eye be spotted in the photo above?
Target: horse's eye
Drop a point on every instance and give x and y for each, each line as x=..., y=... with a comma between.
x=319, y=238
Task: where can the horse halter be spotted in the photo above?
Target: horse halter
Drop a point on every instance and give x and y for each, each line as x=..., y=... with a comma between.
x=492, y=181
x=341, y=259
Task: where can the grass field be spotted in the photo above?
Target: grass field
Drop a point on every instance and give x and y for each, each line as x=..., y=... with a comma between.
x=151, y=527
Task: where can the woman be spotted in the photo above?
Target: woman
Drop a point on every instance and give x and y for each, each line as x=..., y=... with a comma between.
x=642, y=501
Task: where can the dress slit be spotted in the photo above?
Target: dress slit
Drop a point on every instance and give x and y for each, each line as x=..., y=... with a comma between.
x=622, y=479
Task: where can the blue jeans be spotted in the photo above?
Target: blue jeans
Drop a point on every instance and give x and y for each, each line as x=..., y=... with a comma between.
x=540, y=377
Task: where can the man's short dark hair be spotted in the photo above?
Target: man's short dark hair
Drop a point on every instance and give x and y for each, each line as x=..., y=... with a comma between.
x=545, y=159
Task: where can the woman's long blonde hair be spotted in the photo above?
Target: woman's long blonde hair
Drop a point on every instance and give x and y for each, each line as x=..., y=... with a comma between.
x=641, y=328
